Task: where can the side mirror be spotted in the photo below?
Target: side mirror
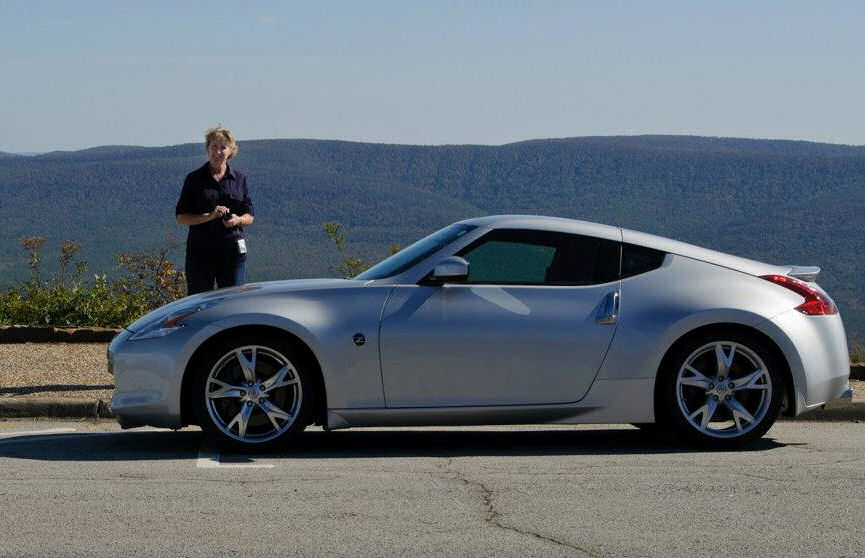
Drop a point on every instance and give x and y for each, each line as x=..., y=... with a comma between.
x=450, y=270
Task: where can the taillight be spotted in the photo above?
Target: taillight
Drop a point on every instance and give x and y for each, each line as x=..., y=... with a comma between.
x=816, y=302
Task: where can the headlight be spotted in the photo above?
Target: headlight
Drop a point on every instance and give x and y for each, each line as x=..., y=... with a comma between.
x=164, y=325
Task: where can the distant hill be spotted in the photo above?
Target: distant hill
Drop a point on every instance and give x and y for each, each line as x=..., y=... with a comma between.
x=777, y=201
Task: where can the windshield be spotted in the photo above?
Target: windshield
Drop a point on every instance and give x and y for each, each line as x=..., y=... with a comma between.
x=407, y=257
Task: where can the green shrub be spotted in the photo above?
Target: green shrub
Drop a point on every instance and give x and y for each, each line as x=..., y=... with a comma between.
x=98, y=304
x=349, y=266
x=148, y=281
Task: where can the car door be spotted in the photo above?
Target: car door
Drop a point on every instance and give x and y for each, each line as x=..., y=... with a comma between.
x=530, y=325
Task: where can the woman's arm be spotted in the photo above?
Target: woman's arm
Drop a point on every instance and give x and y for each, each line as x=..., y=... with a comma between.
x=197, y=219
x=194, y=218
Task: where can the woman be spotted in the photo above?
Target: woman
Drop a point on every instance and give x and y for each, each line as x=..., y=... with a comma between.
x=215, y=203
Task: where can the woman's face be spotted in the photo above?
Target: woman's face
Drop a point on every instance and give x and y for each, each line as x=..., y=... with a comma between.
x=219, y=152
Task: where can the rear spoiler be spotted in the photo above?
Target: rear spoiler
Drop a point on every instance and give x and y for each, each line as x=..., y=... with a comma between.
x=807, y=273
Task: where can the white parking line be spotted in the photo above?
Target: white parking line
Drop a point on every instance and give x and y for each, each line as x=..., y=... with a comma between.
x=207, y=459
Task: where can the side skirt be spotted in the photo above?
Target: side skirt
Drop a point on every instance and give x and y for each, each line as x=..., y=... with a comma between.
x=608, y=401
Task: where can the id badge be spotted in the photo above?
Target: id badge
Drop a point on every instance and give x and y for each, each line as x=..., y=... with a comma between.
x=241, y=246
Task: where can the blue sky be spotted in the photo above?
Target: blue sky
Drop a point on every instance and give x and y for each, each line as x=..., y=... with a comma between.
x=80, y=74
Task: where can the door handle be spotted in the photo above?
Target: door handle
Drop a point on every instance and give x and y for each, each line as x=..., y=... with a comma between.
x=609, y=312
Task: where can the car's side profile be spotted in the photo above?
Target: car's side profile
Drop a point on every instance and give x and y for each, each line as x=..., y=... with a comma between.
x=495, y=320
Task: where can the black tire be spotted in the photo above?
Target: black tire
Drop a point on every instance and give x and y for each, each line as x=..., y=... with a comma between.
x=721, y=390
x=241, y=401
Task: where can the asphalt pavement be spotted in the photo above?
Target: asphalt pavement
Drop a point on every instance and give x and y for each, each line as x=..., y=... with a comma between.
x=85, y=488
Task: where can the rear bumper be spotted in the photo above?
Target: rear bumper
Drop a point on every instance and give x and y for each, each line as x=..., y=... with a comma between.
x=844, y=408
x=815, y=348
x=843, y=402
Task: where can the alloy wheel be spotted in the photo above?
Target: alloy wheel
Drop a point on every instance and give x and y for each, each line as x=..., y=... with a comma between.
x=253, y=394
x=724, y=389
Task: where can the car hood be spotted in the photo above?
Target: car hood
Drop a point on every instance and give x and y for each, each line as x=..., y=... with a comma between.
x=240, y=291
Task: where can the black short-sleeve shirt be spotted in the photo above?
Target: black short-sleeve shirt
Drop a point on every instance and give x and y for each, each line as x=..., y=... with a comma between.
x=201, y=194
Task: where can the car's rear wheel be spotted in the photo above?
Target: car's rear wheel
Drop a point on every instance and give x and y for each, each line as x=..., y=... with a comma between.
x=253, y=393
x=722, y=390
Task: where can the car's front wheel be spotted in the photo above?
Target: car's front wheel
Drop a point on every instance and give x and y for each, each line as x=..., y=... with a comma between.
x=721, y=390
x=253, y=393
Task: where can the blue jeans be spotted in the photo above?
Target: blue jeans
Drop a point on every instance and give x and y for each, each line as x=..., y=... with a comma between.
x=201, y=275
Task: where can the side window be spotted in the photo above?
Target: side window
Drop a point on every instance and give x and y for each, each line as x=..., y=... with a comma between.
x=524, y=257
x=638, y=259
x=504, y=261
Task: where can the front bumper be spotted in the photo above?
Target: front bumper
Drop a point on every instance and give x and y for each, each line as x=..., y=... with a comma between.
x=148, y=375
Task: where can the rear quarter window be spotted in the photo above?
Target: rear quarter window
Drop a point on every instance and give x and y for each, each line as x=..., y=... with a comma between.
x=639, y=259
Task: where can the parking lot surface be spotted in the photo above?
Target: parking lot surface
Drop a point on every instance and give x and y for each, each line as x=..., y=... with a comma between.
x=87, y=488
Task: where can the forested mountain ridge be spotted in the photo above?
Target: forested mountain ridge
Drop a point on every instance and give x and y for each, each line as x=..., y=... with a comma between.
x=776, y=201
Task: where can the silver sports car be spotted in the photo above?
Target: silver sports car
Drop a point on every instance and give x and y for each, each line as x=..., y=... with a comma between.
x=495, y=320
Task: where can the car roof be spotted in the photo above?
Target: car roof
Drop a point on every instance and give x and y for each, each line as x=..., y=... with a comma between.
x=541, y=223
x=609, y=232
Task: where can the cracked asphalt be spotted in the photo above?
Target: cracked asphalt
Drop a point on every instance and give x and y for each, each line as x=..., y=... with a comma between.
x=86, y=488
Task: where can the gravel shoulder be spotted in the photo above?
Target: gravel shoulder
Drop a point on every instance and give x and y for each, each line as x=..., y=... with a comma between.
x=55, y=370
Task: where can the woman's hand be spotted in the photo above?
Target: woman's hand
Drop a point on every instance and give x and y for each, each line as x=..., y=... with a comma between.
x=234, y=221
x=219, y=212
